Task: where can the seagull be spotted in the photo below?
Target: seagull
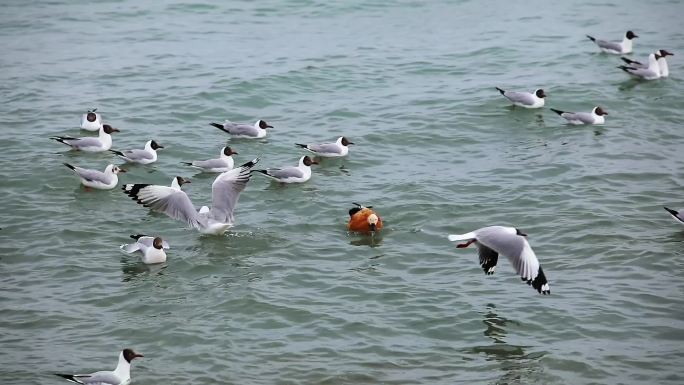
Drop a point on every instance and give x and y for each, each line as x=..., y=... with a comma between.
x=363, y=219
x=678, y=215
x=243, y=130
x=106, y=180
x=152, y=248
x=494, y=240
x=651, y=72
x=119, y=376
x=221, y=164
x=525, y=99
x=625, y=46
x=299, y=174
x=330, y=150
x=173, y=202
x=90, y=144
x=662, y=62
x=91, y=120
x=146, y=156
x=593, y=117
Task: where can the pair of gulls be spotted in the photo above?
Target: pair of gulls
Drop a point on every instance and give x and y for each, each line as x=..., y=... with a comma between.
x=536, y=100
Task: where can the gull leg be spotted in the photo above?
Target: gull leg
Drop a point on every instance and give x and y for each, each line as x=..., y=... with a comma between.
x=464, y=245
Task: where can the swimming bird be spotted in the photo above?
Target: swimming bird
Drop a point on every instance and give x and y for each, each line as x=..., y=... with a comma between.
x=299, y=174
x=145, y=156
x=660, y=58
x=119, y=376
x=651, y=72
x=221, y=164
x=330, y=150
x=677, y=215
x=152, y=248
x=106, y=180
x=494, y=240
x=593, y=117
x=625, y=46
x=525, y=99
x=91, y=120
x=364, y=219
x=173, y=202
x=244, y=130
x=90, y=144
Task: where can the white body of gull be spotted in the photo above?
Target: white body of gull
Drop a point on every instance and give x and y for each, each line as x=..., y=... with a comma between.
x=243, y=130
x=494, y=240
x=525, y=99
x=625, y=46
x=152, y=248
x=91, y=120
x=651, y=72
x=173, y=202
x=145, y=156
x=119, y=376
x=593, y=117
x=677, y=215
x=90, y=144
x=223, y=163
x=661, y=59
x=329, y=150
x=299, y=174
x=106, y=180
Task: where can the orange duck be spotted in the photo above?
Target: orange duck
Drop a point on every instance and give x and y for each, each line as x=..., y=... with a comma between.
x=363, y=220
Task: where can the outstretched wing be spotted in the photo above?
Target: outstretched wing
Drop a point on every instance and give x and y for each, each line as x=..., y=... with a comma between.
x=488, y=258
x=226, y=190
x=172, y=202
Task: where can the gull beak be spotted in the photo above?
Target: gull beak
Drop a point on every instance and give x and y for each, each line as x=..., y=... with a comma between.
x=136, y=355
x=269, y=126
x=122, y=170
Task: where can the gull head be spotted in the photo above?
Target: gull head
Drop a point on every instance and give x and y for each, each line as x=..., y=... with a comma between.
x=540, y=93
x=157, y=243
x=130, y=355
x=599, y=111
x=630, y=35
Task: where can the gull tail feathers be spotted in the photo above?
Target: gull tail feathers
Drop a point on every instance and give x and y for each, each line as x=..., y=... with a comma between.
x=559, y=112
x=591, y=38
x=500, y=90
x=461, y=237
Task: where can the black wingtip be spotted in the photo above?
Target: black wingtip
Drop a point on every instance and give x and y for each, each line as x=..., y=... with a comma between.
x=219, y=126
x=137, y=236
x=261, y=171
x=301, y=145
x=68, y=377
x=251, y=163
x=187, y=163
x=624, y=68
x=539, y=282
x=500, y=90
x=70, y=166
x=673, y=212
x=117, y=152
x=559, y=112
x=591, y=38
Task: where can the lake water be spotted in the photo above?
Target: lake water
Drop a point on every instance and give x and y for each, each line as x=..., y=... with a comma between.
x=288, y=297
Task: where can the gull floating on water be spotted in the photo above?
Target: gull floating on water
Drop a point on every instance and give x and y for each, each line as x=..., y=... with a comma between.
x=494, y=240
x=106, y=180
x=243, y=130
x=90, y=144
x=662, y=62
x=677, y=215
x=221, y=164
x=119, y=376
x=91, y=120
x=330, y=150
x=525, y=99
x=625, y=46
x=651, y=72
x=593, y=117
x=152, y=248
x=299, y=174
x=364, y=219
x=145, y=156
x=173, y=202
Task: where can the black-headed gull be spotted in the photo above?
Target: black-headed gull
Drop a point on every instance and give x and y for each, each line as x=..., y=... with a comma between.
x=509, y=241
x=91, y=120
x=677, y=215
x=299, y=174
x=145, y=156
x=625, y=46
x=90, y=144
x=331, y=150
x=525, y=99
x=593, y=117
x=106, y=180
x=173, y=202
x=221, y=164
x=243, y=130
x=152, y=248
x=662, y=62
x=651, y=72
x=119, y=376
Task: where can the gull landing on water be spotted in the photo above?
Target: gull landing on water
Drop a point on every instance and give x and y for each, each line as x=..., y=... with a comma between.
x=119, y=376
x=152, y=248
x=525, y=99
x=625, y=46
x=593, y=117
x=494, y=240
x=91, y=120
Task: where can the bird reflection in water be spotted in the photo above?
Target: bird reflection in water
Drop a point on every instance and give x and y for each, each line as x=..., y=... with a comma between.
x=133, y=269
x=370, y=240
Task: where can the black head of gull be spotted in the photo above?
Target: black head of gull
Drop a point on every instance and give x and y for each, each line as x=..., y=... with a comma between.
x=540, y=93
x=227, y=151
x=130, y=355
x=264, y=125
x=599, y=111
x=346, y=142
x=664, y=53
x=155, y=145
x=308, y=161
x=630, y=35
x=109, y=129
x=181, y=181
x=157, y=243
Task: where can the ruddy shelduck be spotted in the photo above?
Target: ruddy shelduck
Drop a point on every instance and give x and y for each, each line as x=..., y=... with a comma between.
x=363, y=219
